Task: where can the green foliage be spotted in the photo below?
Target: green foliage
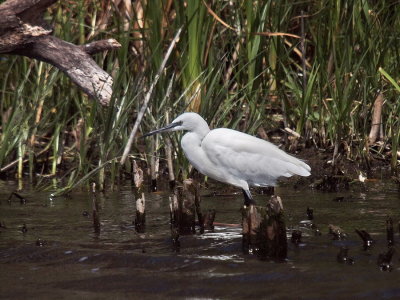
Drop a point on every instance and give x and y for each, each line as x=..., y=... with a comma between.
x=231, y=74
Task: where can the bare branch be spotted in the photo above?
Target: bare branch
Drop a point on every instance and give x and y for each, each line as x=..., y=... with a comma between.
x=74, y=62
x=100, y=46
x=23, y=31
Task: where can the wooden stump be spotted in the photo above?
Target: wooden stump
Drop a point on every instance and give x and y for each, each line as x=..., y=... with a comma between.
x=264, y=230
x=174, y=218
x=183, y=207
x=208, y=220
x=95, y=210
x=140, y=219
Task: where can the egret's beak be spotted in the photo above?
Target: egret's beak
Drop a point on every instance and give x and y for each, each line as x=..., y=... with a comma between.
x=166, y=128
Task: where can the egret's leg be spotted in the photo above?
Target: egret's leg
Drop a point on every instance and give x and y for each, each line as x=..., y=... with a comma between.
x=248, y=199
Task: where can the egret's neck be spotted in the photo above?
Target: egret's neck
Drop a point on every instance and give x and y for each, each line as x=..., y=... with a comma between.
x=191, y=145
x=191, y=141
x=201, y=130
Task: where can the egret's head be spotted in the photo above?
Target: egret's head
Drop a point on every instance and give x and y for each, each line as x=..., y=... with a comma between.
x=187, y=121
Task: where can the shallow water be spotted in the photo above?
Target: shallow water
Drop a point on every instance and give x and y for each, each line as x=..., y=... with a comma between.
x=61, y=256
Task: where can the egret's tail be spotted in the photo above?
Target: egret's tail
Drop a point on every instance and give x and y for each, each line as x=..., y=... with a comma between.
x=298, y=167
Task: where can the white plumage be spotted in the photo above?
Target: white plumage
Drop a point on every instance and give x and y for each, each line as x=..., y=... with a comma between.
x=233, y=157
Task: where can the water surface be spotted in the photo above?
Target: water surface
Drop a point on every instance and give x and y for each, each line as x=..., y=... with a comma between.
x=60, y=255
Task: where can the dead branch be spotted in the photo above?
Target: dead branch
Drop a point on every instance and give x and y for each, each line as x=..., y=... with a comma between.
x=23, y=31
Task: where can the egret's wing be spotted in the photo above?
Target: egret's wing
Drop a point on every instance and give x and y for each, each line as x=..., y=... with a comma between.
x=255, y=160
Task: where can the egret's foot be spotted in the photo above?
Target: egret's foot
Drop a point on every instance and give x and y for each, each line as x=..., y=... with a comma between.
x=248, y=199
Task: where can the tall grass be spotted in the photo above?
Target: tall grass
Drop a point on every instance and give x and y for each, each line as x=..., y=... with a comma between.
x=235, y=63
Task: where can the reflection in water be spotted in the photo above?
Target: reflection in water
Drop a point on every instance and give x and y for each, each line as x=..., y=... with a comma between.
x=62, y=254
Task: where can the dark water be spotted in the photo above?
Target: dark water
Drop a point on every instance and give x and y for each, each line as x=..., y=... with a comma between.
x=60, y=255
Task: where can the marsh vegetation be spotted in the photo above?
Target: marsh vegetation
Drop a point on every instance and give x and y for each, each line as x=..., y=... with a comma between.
x=321, y=69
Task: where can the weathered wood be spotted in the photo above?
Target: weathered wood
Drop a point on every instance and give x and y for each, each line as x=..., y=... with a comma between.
x=154, y=164
x=188, y=207
x=140, y=219
x=184, y=203
x=23, y=31
x=337, y=232
x=100, y=46
x=195, y=190
x=264, y=230
x=174, y=218
x=208, y=220
x=95, y=209
x=168, y=154
x=376, y=132
x=21, y=21
x=74, y=62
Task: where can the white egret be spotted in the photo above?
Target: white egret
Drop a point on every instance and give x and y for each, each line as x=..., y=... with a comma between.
x=232, y=156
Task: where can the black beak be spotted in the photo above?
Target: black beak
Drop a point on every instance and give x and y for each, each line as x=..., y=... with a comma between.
x=166, y=128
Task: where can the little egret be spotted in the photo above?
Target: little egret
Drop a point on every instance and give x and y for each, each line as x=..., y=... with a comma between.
x=232, y=156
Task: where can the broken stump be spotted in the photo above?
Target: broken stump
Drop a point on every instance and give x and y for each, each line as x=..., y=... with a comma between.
x=183, y=207
x=208, y=220
x=264, y=230
x=95, y=211
x=140, y=219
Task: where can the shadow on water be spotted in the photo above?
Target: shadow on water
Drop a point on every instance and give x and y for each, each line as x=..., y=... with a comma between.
x=55, y=248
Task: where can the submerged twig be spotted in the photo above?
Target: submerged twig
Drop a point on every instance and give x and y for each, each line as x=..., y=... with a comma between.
x=385, y=260
x=366, y=237
x=343, y=256
x=389, y=231
x=21, y=199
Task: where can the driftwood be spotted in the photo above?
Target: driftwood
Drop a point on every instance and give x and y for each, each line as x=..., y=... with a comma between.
x=23, y=31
